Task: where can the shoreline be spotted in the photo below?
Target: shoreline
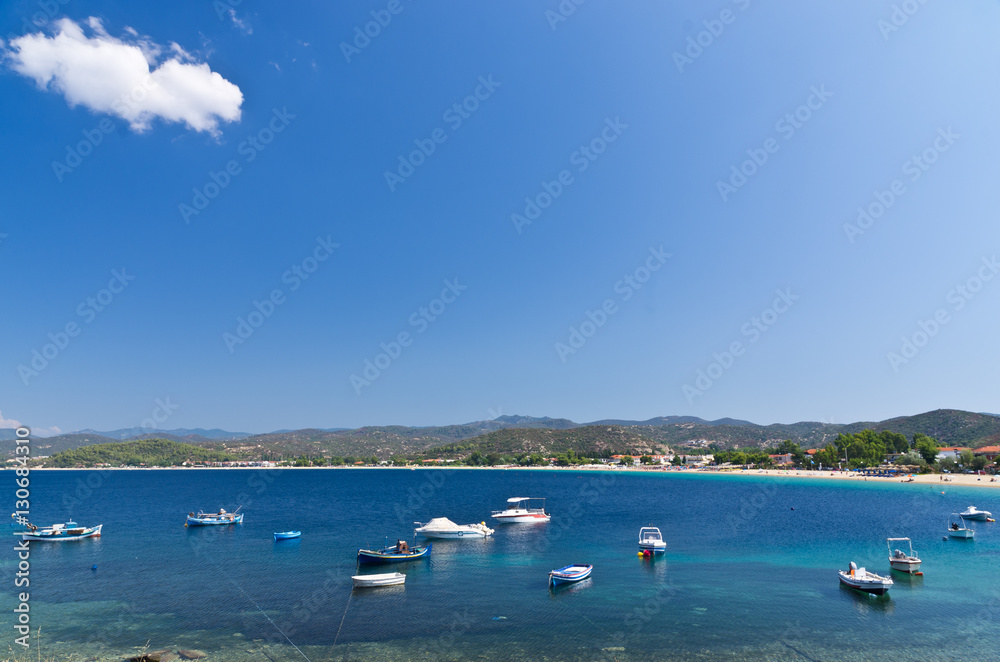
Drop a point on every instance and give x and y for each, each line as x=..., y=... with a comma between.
x=965, y=480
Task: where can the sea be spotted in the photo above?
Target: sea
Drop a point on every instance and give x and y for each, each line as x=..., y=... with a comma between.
x=750, y=571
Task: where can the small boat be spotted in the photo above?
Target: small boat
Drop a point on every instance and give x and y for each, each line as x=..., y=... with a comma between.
x=371, y=581
x=442, y=527
x=520, y=510
x=974, y=513
x=863, y=580
x=571, y=573
x=287, y=535
x=903, y=561
x=650, y=538
x=401, y=551
x=210, y=519
x=957, y=530
x=59, y=532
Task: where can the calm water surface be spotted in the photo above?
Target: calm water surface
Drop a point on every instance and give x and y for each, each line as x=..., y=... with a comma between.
x=750, y=571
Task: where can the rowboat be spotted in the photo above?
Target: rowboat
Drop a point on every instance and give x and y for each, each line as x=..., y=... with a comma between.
x=902, y=561
x=442, y=527
x=571, y=573
x=520, y=510
x=863, y=580
x=212, y=519
x=371, y=581
x=287, y=535
x=401, y=551
x=60, y=532
x=651, y=539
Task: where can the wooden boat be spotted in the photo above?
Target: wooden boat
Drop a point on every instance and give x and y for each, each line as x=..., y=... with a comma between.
x=903, y=561
x=372, y=581
x=570, y=573
x=287, y=535
x=442, y=527
x=863, y=580
x=401, y=551
x=60, y=532
x=651, y=539
x=521, y=511
x=956, y=530
x=214, y=519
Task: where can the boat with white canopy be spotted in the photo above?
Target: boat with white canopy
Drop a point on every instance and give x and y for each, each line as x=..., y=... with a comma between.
x=522, y=510
x=651, y=539
x=902, y=560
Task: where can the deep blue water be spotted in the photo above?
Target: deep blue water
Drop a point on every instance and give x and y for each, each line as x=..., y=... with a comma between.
x=750, y=570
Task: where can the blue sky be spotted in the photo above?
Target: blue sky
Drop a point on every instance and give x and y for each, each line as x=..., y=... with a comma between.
x=575, y=238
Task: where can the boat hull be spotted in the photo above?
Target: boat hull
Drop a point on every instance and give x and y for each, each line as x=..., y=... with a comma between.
x=214, y=521
x=978, y=516
x=656, y=548
x=64, y=535
x=374, y=581
x=288, y=535
x=570, y=574
x=904, y=566
x=371, y=556
x=521, y=518
x=451, y=535
x=875, y=587
x=964, y=534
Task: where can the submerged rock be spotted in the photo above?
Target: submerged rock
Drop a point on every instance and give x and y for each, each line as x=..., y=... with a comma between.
x=191, y=655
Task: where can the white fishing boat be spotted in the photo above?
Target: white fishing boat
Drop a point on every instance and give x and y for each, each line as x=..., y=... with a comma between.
x=442, y=527
x=974, y=513
x=958, y=528
x=384, y=579
x=863, y=580
x=651, y=539
x=521, y=510
x=901, y=560
x=59, y=532
x=214, y=519
x=571, y=573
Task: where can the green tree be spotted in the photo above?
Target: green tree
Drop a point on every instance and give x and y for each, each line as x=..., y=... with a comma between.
x=926, y=446
x=626, y=460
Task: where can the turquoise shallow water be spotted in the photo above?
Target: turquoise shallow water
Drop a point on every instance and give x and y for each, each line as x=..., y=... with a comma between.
x=750, y=571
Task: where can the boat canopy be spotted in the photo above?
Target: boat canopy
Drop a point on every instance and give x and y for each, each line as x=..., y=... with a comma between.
x=442, y=524
x=517, y=499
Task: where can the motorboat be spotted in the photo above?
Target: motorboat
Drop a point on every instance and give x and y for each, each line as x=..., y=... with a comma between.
x=213, y=519
x=974, y=513
x=521, y=510
x=385, y=579
x=401, y=551
x=651, y=539
x=442, y=527
x=959, y=528
x=863, y=580
x=59, y=532
x=902, y=560
x=570, y=573
x=287, y=535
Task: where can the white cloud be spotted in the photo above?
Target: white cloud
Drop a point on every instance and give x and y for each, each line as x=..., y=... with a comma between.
x=8, y=422
x=124, y=77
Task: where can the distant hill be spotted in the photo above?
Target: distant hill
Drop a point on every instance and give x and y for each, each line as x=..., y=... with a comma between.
x=949, y=426
x=150, y=452
x=200, y=434
x=590, y=440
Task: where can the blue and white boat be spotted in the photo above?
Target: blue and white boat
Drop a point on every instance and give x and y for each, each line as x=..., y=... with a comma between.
x=214, y=519
x=60, y=532
x=571, y=573
x=287, y=535
x=397, y=553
